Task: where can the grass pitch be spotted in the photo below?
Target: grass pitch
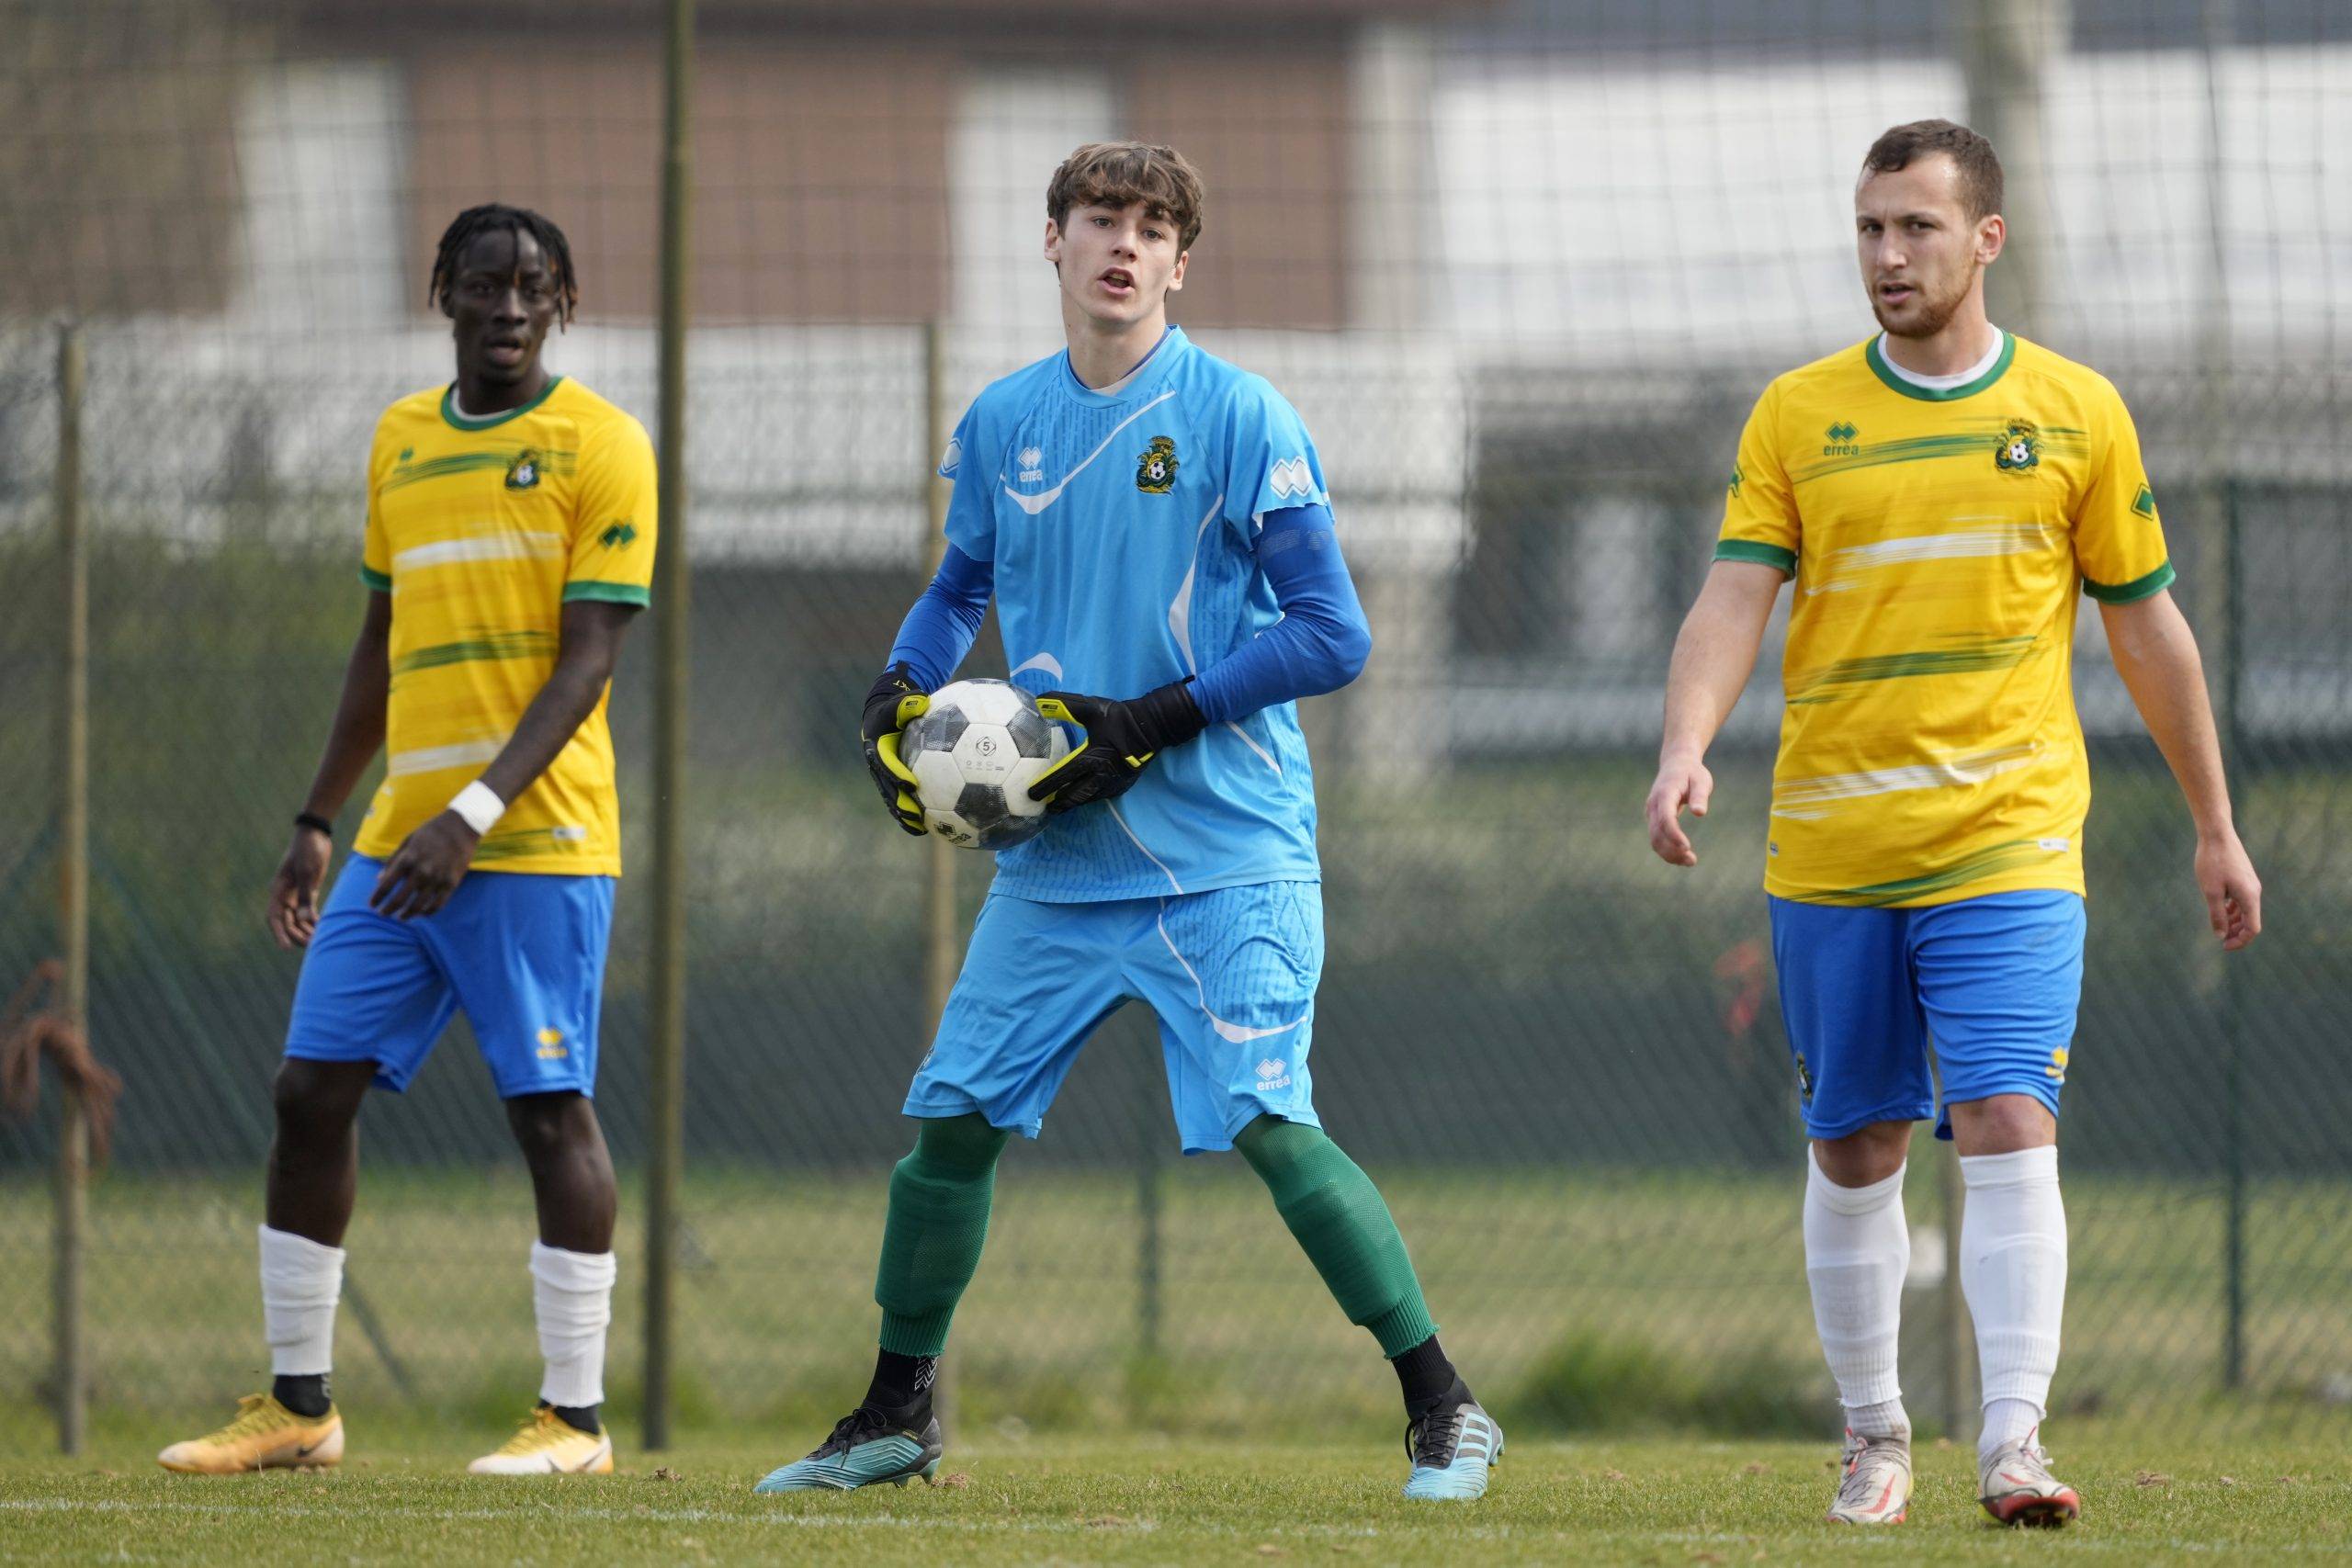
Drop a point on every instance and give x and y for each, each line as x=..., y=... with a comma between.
x=1646, y=1502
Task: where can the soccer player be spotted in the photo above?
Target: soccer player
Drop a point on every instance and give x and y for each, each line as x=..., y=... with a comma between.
x=509, y=544
x=1154, y=527
x=1938, y=492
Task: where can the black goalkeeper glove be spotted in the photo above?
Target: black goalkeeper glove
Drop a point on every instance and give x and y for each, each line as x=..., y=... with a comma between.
x=894, y=703
x=1121, y=738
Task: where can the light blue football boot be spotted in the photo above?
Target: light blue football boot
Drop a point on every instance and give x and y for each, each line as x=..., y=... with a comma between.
x=866, y=1446
x=1452, y=1448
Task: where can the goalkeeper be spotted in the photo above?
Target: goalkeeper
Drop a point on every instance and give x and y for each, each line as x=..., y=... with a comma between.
x=1151, y=523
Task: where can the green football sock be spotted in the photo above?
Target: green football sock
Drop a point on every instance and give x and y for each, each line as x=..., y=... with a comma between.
x=1340, y=1218
x=939, y=1221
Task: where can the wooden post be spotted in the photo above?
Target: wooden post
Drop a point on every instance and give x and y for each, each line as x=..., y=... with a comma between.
x=72, y=1373
x=943, y=951
x=673, y=588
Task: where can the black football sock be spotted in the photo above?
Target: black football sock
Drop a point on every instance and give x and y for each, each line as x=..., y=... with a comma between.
x=900, y=1381
x=305, y=1396
x=1429, y=1378
x=579, y=1418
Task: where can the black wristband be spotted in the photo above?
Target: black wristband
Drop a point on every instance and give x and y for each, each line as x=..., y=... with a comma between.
x=311, y=819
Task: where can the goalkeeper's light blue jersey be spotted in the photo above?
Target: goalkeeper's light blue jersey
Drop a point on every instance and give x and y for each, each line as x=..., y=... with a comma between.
x=1123, y=527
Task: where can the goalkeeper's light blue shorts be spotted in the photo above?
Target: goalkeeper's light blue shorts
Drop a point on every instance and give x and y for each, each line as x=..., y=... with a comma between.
x=1991, y=985
x=1230, y=972
x=522, y=952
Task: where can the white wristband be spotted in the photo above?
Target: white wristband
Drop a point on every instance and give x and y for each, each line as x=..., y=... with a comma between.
x=479, y=806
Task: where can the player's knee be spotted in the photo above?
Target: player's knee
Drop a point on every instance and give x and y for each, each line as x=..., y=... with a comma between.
x=1865, y=1155
x=955, y=1148
x=313, y=1106
x=548, y=1126
x=2003, y=1123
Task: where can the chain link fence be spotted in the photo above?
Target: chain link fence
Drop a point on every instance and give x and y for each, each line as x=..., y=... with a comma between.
x=1524, y=269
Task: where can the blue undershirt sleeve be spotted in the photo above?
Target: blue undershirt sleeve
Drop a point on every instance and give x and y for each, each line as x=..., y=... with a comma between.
x=1320, y=643
x=939, y=630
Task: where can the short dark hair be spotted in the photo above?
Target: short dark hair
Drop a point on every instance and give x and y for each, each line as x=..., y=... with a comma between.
x=1120, y=173
x=1979, y=165
x=475, y=221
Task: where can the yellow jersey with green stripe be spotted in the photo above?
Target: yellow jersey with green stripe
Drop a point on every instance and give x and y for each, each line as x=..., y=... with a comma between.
x=1931, y=750
x=482, y=530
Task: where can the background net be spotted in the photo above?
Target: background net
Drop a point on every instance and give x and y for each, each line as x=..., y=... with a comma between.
x=1523, y=267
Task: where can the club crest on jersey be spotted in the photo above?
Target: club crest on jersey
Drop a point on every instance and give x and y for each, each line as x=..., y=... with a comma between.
x=523, y=473
x=2020, y=447
x=1156, y=468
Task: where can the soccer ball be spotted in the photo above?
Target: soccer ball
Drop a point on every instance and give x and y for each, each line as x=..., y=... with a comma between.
x=974, y=753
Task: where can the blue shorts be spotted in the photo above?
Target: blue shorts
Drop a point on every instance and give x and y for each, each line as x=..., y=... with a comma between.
x=1993, y=982
x=1231, y=973
x=523, y=954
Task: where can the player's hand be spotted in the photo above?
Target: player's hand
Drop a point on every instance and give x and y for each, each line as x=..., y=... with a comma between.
x=294, y=891
x=1681, y=784
x=1121, y=740
x=425, y=869
x=894, y=703
x=2232, y=893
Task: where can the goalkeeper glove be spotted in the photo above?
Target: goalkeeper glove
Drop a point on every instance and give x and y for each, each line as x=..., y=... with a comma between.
x=1121, y=738
x=894, y=703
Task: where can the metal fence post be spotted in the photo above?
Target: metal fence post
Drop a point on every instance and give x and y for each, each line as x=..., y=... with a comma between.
x=674, y=588
x=72, y=1372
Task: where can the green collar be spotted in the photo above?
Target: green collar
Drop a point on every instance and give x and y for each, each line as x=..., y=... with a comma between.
x=1885, y=372
x=464, y=421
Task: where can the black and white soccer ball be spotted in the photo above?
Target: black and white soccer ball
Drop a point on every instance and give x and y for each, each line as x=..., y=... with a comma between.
x=974, y=755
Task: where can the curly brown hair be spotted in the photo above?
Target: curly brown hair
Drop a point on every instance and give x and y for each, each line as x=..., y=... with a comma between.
x=1119, y=174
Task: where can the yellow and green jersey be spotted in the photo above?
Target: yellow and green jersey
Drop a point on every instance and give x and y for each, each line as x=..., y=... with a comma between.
x=482, y=530
x=1931, y=750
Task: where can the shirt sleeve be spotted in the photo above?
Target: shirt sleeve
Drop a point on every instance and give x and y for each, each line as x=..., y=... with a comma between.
x=969, y=466
x=1269, y=463
x=2119, y=542
x=376, y=550
x=941, y=628
x=1322, y=641
x=1761, y=508
x=613, y=524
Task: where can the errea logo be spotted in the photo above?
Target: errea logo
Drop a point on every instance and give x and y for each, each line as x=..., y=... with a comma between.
x=1291, y=476
x=1842, y=442
x=1273, y=1073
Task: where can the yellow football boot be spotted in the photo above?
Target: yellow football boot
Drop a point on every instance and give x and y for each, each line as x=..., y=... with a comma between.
x=548, y=1445
x=264, y=1436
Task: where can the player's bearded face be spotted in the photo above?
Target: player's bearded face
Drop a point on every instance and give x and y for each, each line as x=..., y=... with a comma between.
x=1118, y=264
x=1920, y=251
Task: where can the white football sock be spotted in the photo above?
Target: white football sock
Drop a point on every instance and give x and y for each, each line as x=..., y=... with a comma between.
x=300, y=1283
x=1857, y=1250
x=2013, y=1270
x=572, y=1295
x=2007, y=1421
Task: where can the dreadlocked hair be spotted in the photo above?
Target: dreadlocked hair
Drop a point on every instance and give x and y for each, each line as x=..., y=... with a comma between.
x=489, y=218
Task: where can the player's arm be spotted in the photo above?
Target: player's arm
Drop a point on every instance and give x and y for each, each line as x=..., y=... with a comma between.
x=2119, y=551
x=2157, y=655
x=938, y=632
x=1322, y=641
x=432, y=861
x=1715, y=651
x=352, y=743
x=1713, y=655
